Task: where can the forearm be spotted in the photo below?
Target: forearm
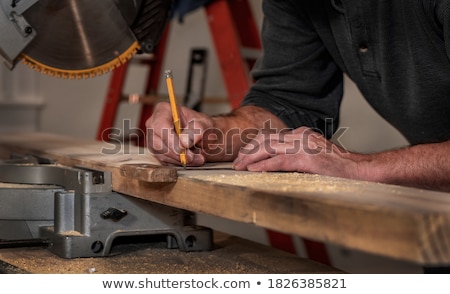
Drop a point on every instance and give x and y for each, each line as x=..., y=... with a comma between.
x=233, y=131
x=424, y=166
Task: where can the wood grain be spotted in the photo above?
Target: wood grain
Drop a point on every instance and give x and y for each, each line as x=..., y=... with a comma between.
x=393, y=221
x=121, y=159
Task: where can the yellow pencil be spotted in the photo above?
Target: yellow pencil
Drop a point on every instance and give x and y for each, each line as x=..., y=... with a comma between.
x=175, y=116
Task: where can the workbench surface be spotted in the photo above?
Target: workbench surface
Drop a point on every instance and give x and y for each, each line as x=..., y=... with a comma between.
x=231, y=255
x=392, y=221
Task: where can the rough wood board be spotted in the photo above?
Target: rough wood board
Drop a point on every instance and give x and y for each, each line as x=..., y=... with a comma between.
x=393, y=221
x=124, y=159
x=231, y=255
x=396, y=222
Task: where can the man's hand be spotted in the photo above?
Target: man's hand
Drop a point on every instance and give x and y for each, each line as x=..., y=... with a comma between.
x=301, y=150
x=163, y=142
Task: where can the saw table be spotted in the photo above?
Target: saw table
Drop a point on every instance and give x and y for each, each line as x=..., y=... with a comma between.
x=392, y=221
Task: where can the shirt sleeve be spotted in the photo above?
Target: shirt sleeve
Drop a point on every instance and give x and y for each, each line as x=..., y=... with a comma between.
x=296, y=78
x=443, y=15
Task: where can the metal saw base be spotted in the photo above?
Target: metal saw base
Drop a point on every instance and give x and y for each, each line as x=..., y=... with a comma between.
x=80, y=216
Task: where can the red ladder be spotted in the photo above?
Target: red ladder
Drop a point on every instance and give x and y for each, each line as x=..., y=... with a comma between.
x=115, y=95
x=236, y=38
x=234, y=32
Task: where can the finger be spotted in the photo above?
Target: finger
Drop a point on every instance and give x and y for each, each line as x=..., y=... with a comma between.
x=277, y=163
x=251, y=153
x=195, y=159
x=165, y=160
x=166, y=145
x=162, y=139
x=165, y=153
x=268, y=149
x=159, y=127
x=301, y=130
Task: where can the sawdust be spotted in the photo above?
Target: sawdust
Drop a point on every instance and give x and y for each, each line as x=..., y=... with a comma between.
x=287, y=182
x=70, y=233
x=4, y=185
x=231, y=255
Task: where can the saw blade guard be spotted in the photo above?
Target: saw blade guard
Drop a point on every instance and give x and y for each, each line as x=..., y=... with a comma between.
x=78, y=39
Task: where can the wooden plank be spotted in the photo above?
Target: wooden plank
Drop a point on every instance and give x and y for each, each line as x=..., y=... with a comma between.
x=120, y=159
x=398, y=222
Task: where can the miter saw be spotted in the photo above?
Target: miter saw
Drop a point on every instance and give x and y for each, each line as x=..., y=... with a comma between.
x=73, y=210
x=79, y=38
x=75, y=213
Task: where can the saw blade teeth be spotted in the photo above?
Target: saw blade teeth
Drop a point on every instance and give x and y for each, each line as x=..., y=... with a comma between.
x=83, y=73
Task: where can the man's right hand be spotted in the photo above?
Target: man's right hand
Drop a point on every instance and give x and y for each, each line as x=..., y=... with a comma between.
x=163, y=142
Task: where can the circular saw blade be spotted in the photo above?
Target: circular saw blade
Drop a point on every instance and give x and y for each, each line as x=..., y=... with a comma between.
x=79, y=38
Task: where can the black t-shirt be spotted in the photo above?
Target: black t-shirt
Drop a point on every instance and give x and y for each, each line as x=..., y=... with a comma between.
x=396, y=52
